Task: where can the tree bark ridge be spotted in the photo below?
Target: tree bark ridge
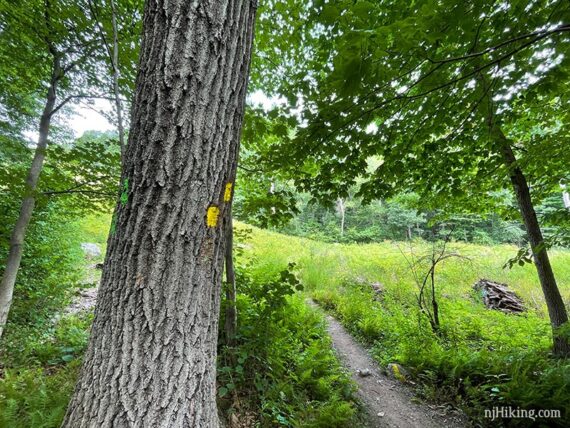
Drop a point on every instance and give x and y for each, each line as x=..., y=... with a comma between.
x=152, y=355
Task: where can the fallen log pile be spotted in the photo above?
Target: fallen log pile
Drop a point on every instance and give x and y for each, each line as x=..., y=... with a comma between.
x=498, y=296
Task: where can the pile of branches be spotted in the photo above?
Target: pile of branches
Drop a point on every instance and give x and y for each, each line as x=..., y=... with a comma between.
x=498, y=296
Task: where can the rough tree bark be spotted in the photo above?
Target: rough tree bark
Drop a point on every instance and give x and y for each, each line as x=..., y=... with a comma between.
x=19, y=232
x=151, y=359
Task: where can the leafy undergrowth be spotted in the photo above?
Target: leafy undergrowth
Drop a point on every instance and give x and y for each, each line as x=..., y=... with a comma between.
x=481, y=359
x=280, y=372
x=283, y=368
x=39, y=351
x=39, y=373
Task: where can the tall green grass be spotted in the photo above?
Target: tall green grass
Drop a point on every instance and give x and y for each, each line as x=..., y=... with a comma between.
x=330, y=265
x=482, y=358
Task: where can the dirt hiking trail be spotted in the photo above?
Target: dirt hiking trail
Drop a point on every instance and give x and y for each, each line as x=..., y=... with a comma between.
x=388, y=402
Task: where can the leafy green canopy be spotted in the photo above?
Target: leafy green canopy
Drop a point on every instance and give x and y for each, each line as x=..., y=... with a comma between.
x=33, y=34
x=391, y=95
x=78, y=35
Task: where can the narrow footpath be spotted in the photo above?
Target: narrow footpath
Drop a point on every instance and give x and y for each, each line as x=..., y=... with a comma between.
x=388, y=402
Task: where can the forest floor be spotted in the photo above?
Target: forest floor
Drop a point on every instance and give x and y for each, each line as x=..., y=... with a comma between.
x=86, y=298
x=388, y=402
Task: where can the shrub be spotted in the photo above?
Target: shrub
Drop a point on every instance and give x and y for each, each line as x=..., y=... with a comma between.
x=283, y=365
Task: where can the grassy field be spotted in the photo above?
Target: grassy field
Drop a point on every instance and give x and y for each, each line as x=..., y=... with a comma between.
x=482, y=358
x=327, y=266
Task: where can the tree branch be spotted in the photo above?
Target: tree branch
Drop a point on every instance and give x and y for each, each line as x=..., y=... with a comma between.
x=540, y=33
x=71, y=97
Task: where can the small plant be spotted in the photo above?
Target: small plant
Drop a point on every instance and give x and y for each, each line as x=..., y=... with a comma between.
x=427, y=296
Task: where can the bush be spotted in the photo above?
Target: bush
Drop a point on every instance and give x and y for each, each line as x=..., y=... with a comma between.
x=36, y=397
x=40, y=371
x=283, y=365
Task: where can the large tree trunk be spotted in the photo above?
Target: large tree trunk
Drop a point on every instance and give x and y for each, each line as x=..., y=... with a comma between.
x=151, y=359
x=554, y=302
x=19, y=232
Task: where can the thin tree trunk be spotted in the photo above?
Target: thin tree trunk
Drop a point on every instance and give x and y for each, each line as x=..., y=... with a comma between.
x=151, y=359
x=116, y=75
x=230, y=327
x=19, y=232
x=554, y=302
x=434, y=304
x=565, y=197
x=341, y=211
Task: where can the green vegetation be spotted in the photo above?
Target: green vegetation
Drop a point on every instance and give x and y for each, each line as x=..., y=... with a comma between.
x=41, y=349
x=462, y=103
x=398, y=219
x=391, y=125
x=39, y=378
x=281, y=372
x=482, y=357
x=284, y=368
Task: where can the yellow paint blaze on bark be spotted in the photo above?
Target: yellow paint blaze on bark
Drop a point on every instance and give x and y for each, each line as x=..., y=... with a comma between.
x=228, y=192
x=212, y=216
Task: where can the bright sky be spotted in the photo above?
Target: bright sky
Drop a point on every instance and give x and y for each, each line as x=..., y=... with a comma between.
x=86, y=118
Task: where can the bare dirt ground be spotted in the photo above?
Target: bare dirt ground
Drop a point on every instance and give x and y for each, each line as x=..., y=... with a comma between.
x=85, y=298
x=84, y=301
x=388, y=402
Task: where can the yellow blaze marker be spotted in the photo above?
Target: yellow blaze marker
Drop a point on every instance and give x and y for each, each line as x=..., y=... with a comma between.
x=228, y=192
x=212, y=216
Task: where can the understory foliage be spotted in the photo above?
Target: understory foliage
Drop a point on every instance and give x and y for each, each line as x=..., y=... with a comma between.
x=398, y=218
x=51, y=268
x=39, y=373
x=479, y=359
x=476, y=365
x=282, y=370
x=40, y=349
x=79, y=177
